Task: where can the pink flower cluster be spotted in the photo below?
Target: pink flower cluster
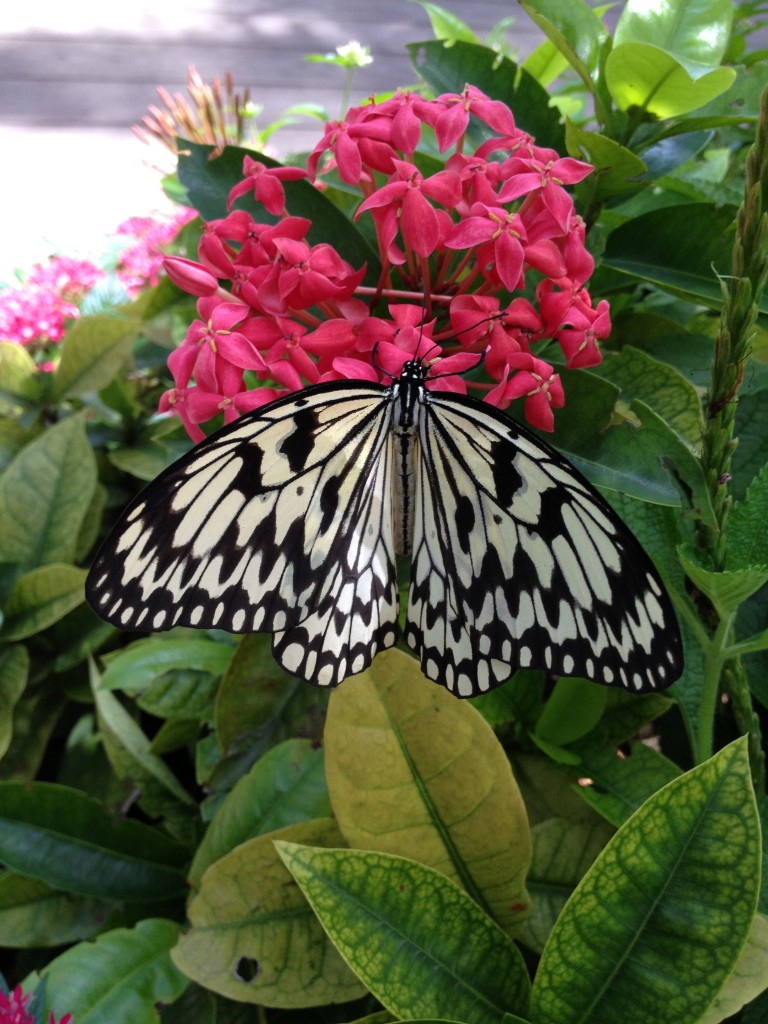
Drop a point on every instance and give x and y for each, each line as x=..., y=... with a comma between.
x=140, y=262
x=38, y=312
x=14, y=1009
x=482, y=261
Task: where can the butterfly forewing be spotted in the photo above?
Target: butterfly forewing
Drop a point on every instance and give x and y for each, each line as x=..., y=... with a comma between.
x=287, y=522
x=538, y=571
x=270, y=523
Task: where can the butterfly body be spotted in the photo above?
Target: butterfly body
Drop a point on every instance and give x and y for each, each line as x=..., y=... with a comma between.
x=288, y=521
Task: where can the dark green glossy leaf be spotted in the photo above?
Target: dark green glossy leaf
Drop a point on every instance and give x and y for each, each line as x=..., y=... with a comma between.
x=61, y=836
x=137, y=666
x=448, y=69
x=32, y=914
x=209, y=181
x=747, y=526
x=659, y=921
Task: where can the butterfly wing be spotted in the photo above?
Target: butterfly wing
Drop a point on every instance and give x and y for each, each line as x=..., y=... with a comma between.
x=519, y=562
x=280, y=522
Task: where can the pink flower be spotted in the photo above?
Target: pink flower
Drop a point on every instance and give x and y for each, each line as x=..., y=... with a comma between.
x=191, y=277
x=535, y=381
x=266, y=183
x=449, y=114
x=14, y=1009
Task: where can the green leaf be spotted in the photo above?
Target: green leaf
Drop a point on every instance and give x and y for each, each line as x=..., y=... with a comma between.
x=446, y=25
x=659, y=921
x=68, y=840
x=14, y=669
x=448, y=69
x=619, y=785
x=450, y=799
x=253, y=936
x=563, y=850
x=747, y=526
x=33, y=914
x=699, y=32
x=748, y=979
x=18, y=376
x=40, y=598
x=137, y=666
x=93, y=352
x=573, y=708
x=129, y=753
x=209, y=181
x=615, y=166
x=663, y=388
x=44, y=496
x=727, y=589
x=574, y=28
x=123, y=976
x=646, y=77
x=285, y=786
x=403, y=929
x=260, y=704
x=680, y=249
x=546, y=63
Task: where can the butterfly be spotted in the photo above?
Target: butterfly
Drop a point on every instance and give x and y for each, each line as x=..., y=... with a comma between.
x=289, y=520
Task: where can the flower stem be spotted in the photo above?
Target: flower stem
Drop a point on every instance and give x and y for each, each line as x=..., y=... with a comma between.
x=741, y=294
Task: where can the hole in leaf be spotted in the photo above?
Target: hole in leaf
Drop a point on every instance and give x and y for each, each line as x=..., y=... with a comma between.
x=247, y=969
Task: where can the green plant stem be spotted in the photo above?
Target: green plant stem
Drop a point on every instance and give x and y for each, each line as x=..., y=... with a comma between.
x=713, y=670
x=741, y=294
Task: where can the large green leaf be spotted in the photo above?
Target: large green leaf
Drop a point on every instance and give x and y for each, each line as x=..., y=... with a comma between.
x=619, y=785
x=449, y=68
x=655, y=927
x=698, y=30
x=40, y=598
x=646, y=77
x=416, y=940
x=137, y=666
x=259, y=703
x=574, y=29
x=253, y=936
x=19, y=377
x=125, y=975
x=33, y=914
x=285, y=786
x=94, y=351
x=680, y=249
x=449, y=799
x=616, y=167
x=129, y=752
x=44, y=496
x=747, y=526
x=660, y=386
x=208, y=181
x=748, y=979
x=563, y=850
x=68, y=840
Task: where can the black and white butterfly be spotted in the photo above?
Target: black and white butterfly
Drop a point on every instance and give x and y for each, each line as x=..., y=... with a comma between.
x=288, y=521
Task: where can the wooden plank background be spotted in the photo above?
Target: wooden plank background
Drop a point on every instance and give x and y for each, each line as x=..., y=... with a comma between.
x=75, y=76
x=96, y=65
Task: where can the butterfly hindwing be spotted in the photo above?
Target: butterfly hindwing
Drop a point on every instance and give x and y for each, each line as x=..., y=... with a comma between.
x=280, y=519
x=533, y=567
